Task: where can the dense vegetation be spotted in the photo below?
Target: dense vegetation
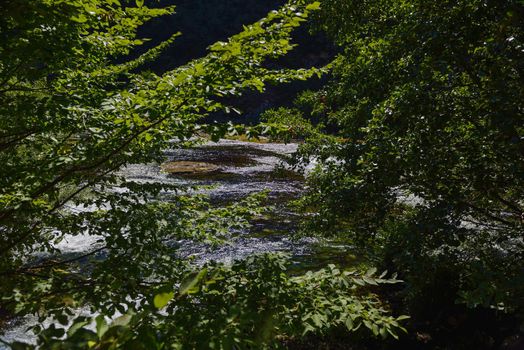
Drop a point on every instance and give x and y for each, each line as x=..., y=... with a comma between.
x=423, y=166
x=419, y=145
x=76, y=109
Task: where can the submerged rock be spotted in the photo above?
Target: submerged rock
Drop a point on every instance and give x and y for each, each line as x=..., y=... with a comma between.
x=188, y=167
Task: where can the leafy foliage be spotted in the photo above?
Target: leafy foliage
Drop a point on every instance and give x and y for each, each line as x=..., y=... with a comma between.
x=427, y=163
x=291, y=122
x=245, y=305
x=73, y=113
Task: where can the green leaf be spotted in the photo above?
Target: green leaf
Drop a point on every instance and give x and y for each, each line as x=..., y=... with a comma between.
x=79, y=19
x=317, y=320
x=371, y=271
x=190, y=283
x=383, y=332
x=160, y=300
x=313, y=6
x=123, y=320
x=75, y=327
x=349, y=323
x=393, y=334
x=369, y=280
x=101, y=325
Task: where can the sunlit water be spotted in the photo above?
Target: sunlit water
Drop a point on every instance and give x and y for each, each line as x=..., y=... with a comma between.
x=244, y=168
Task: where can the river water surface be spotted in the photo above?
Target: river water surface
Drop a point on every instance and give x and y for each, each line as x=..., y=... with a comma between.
x=243, y=168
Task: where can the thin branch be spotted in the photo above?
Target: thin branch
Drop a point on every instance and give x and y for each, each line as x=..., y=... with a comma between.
x=62, y=262
x=25, y=89
x=58, y=205
x=489, y=215
x=7, y=145
x=507, y=203
x=72, y=171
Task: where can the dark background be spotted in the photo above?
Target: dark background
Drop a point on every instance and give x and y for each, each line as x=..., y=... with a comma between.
x=203, y=22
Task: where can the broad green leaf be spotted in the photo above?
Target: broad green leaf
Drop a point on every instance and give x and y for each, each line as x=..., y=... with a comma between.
x=101, y=326
x=313, y=6
x=190, y=283
x=349, y=323
x=162, y=299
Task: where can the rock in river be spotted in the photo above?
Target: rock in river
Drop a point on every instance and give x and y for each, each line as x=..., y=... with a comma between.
x=188, y=167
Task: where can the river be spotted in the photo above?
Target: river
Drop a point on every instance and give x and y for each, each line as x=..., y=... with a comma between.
x=242, y=168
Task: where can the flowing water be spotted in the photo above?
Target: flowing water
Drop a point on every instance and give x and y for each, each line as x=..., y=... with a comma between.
x=243, y=168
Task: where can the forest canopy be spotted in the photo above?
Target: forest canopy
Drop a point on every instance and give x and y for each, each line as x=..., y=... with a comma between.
x=417, y=140
x=72, y=116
